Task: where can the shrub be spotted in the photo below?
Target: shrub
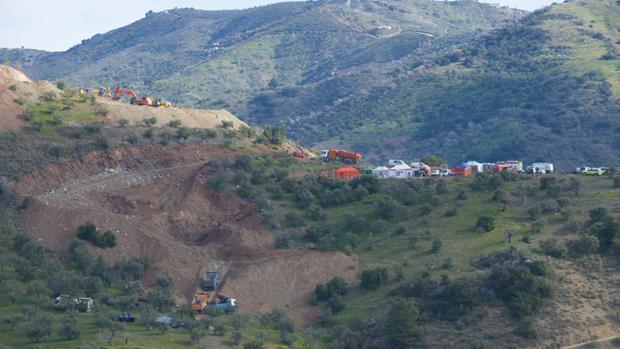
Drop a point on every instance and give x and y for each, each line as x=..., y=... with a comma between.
x=336, y=304
x=522, y=291
x=617, y=182
x=39, y=327
x=133, y=139
x=525, y=328
x=101, y=111
x=88, y=232
x=294, y=220
x=335, y=286
x=282, y=242
x=149, y=122
x=553, y=247
x=174, y=123
x=148, y=134
x=93, y=128
x=183, y=133
x=227, y=124
x=486, y=223
x=400, y=230
x=401, y=327
x=49, y=96
x=584, y=246
x=436, y=246
x=123, y=122
x=373, y=278
x=387, y=208
x=274, y=135
x=451, y=212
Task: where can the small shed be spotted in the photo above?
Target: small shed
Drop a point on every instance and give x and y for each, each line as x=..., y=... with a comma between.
x=401, y=171
x=347, y=173
x=381, y=172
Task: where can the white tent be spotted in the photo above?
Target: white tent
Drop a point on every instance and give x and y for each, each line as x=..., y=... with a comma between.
x=401, y=171
x=381, y=172
x=476, y=167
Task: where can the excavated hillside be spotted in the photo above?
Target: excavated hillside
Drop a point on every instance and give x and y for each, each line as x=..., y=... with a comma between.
x=16, y=89
x=156, y=200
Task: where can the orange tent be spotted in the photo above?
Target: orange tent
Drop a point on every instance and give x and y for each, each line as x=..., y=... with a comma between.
x=347, y=173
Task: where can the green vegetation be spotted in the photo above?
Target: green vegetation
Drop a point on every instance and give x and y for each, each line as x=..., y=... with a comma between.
x=88, y=232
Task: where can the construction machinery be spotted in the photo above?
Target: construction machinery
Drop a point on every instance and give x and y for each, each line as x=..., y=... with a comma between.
x=211, y=280
x=134, y=99
x=201, y=299
x=227, y=304
x=341, y=155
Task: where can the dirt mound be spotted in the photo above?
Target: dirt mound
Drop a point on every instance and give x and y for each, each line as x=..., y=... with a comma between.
x=156, y=200
x=11, y=76
x=9, y=111
x=193, y=118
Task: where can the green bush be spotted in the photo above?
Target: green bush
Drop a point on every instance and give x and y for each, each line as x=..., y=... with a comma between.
x=554, y=247
x=336, y=304
x=522, y=291
x=335, y=286
x=485, y=223
x=294, y=220
x=525, y=328
x=149, y=122
x=282, y=242
x=584, y=246
x=88, y=232
x=436, y=246
x=174, y=123
x=372, y=279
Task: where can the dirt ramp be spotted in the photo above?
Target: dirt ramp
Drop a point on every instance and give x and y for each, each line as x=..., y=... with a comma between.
x=10, y=111
x=286, y=280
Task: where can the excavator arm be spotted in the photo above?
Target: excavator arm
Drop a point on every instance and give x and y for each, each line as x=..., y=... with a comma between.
x=120, y=90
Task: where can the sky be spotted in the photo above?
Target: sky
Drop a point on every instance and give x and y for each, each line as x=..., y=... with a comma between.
x=56, y=25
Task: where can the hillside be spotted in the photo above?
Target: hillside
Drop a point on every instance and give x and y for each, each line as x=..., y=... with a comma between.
x=546, y=87
x=237, y=59
x=492, y=261
x=397, y=78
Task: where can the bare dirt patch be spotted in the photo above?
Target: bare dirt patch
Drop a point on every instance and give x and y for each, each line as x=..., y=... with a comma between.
x=156, y=200
x=9, y=111
x=193, y=118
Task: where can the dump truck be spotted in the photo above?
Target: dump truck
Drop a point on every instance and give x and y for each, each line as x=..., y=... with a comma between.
x=341, y=155
x=211, y=280
x=201, y=299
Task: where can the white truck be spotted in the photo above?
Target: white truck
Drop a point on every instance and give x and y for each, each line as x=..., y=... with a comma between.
x=540, y=168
